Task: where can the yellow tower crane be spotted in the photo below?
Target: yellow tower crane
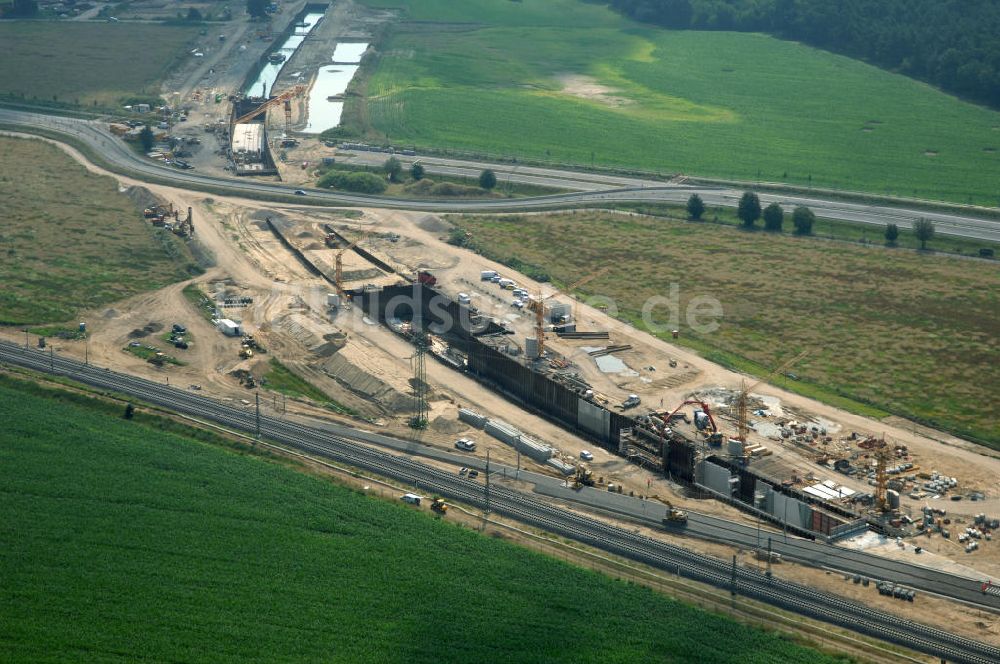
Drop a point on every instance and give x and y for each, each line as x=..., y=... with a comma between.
x=882, y=452
x=537, y=305
x=284, y=98
x=743, y=398
x=338, y=266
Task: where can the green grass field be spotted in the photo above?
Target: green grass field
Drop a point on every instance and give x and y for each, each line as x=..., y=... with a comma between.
x=123, y=542
x=71, y=241
x=88, y=64
x=486, y=76
x=894, y=330
x=283, y=380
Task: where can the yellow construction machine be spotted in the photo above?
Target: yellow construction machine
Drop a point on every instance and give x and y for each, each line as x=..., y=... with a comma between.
x=674, y=517
x=583, y=477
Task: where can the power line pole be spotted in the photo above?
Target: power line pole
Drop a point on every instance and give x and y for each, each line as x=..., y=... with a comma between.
x=732, y=587
x=419, y=420
x=257, y=400
x=768, y=573
x=487, y=512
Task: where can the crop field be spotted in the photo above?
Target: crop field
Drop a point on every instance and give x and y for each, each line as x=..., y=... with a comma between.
x=892, y=330
x=70, y=240
x=126, y=542
x=572, y=82
x=88, y=64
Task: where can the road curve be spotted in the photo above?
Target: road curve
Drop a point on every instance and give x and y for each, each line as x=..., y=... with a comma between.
x=748, y=582
x=596, y=189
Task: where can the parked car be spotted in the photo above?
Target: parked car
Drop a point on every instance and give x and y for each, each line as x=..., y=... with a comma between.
x=299, y=192
x=465, y=444
x=586, y=456
x=473, y=474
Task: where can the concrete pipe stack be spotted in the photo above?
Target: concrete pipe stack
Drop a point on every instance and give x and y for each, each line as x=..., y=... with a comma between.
x=471, y=417
x=502, y=431
x=532, y=448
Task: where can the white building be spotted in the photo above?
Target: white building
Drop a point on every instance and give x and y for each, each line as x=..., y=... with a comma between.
x=228, y=327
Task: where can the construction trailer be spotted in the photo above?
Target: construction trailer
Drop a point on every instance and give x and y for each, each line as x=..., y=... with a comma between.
x=228, y=327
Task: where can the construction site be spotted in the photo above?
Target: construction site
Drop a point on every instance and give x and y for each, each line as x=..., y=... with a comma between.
x=411, y=337
x=355, y=306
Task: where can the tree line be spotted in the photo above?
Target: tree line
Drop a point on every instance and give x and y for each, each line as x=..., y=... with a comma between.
x=749, y=210
x=952, y=44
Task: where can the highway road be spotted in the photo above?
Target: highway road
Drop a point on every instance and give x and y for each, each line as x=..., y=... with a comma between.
x=594, y=189
x=525, y=508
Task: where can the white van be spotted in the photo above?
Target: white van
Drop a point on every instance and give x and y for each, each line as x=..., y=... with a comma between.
x=410, y=498
x=487, y=275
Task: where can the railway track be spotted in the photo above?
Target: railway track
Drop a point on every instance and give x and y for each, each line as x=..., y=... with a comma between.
x=527, y=509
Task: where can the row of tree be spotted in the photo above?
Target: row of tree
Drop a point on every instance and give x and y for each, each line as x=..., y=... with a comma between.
x=749, y=212
x=952, y=44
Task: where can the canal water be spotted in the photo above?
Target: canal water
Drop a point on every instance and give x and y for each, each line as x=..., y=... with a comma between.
x=332, y=81
x=261, y=87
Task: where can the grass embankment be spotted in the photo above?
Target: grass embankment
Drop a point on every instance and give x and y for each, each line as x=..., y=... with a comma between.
x=157, y=532
x=89, y=64
x=889, y=330
x=440, y=186
x=201, y=302
x=150, y=354
x=283, y=380
x=71, y=241
x=572, y=82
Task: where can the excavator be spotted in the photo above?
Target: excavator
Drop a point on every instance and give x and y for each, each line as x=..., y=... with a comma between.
x=674, y=517
x=714, y=437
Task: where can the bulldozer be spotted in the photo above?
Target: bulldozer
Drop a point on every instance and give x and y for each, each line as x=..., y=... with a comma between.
x=439, y=506
x=674, y=517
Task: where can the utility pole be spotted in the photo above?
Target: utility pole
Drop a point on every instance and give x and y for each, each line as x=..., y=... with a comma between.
x=257, y=400
x=487, y=512
x=517, y=473
x=732, y=587
x=26, y=338
x=52, y=358
x=768, y=572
